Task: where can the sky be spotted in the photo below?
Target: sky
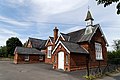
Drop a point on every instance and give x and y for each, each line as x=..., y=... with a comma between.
x=37, y=18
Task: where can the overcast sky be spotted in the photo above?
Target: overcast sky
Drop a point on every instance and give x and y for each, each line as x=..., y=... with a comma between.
x=37, y=18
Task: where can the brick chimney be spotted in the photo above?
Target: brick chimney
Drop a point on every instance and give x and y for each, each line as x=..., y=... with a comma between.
x=55, y=34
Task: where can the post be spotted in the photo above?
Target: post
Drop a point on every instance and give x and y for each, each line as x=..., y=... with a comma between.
x=87, y=65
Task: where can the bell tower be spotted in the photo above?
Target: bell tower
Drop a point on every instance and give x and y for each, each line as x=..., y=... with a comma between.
x=89, y=23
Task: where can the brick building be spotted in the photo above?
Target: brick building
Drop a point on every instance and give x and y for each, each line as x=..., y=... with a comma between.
x=28, y=55
x=70, y=51
x=33, y=52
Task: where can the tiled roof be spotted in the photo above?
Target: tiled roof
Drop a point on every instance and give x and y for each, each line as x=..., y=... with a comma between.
x=74, y=47
x=37, y=43
x=65, y=36
x=80, y=36
x=52, y=38
x=23, y=50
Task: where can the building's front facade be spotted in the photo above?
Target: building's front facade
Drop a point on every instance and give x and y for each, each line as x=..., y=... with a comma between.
x=72, y=50
x=28, y=55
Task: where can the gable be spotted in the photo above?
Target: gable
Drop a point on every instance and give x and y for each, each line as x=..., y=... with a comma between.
x=58, y=46
x=59, y=38
x=71, y=47
x=37, y=43
x=49, y=41
x=29, y=44
x=99, y=36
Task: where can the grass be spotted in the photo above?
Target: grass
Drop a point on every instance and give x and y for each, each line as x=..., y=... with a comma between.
x=5, y=59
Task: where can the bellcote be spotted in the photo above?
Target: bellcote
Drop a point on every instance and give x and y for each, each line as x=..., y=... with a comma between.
x=89, y=20
x=89, y=23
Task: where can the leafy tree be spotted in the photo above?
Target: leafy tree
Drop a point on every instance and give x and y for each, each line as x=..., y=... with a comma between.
x=116, y=44
x=11, y=44
x=3, y=51
x=114, y=57
x=108, y=2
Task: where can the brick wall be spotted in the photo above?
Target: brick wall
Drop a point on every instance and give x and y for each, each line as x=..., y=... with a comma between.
x=33, y=58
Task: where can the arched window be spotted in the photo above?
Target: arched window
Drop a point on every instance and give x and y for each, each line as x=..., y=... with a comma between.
x=49, y=51
x=55, y=58
x=66, y=58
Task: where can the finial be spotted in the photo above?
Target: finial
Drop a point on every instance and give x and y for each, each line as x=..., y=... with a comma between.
x=55, y=27
x=88, y=7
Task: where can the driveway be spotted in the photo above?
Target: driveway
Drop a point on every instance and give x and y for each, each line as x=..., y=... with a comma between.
x=40, y=71
x=111, y=77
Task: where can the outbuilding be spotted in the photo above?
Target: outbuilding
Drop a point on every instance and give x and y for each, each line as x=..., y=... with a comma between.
x=28, y=55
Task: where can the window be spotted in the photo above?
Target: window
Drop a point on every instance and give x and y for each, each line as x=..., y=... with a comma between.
x=40, y=57
x=49, y=51
x=98, y=51
x=26, y=57
x=55, y=59
x=66, y=58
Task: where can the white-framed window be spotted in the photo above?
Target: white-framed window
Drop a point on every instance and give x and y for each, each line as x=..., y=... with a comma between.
x=98, y=51
x=66, y=58
x=55, y=58
x=40, y=57
x=49, y=51
x=26, y=57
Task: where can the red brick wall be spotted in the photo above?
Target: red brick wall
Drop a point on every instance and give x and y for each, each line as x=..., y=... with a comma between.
x=33, y=58
x=77, y=61
x=98, y=38
x=91, y=48
x=48, y=60
x=61, y=49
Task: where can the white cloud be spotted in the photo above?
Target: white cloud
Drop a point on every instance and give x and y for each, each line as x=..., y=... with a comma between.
x=73, y=29
x=57, y=6
x=13, y=21
x=5, y=34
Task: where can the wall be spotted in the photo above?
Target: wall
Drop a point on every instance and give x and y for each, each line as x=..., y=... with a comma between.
x=77, y=61
x=97, y=37
x=55, y=64
x=48, y=60
x=33, y=58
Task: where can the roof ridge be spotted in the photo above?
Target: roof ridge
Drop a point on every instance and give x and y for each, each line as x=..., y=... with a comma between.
x=35, y=38
x=76, y=30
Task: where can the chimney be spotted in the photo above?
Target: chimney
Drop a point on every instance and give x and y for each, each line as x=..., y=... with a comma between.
x=55, y=34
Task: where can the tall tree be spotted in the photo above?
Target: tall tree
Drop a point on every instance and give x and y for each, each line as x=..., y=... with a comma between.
x=3, y=51
x=108, y=2
x=11, y=44
x=116, y=44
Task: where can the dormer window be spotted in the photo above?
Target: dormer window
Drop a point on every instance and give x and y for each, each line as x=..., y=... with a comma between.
x=49, y=51
x=98, y=51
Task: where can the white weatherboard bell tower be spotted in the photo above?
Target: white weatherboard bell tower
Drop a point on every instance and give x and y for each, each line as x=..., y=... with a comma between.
x=89, y=23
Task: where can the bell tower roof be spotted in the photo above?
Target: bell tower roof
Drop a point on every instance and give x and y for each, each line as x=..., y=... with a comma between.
x=89, y=16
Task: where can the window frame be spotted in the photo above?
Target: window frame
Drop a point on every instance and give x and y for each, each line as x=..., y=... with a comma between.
x=49, y=51
x=26, y=57
x=41, y=58
x=67, y=59
x=55, y=58
x=98, y=51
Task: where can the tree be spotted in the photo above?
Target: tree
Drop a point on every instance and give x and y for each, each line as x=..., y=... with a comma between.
x=109, y=2
x=3, y=51
x=11, y=44
x=116, y=44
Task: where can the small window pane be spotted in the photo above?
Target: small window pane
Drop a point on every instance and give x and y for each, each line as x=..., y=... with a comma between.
x=98, y=49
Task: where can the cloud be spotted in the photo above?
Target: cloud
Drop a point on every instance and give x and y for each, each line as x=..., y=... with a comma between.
x=57, y=6
x=5, y=34
x=73, y=29
x=13, y=21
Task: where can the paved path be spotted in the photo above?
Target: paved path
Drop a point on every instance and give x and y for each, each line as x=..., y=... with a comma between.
x=40, y=71
x=111, y=77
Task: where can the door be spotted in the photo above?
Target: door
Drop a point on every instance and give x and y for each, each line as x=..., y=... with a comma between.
x=61, y=60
